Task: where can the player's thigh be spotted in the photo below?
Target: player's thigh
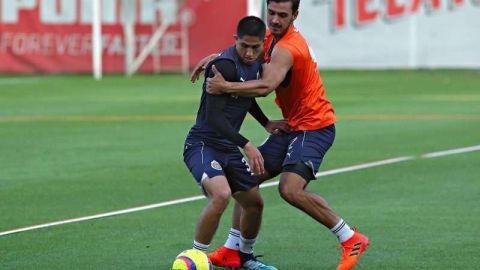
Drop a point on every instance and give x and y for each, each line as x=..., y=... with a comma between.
x=308, y=148
x=217, y=188
x=273, y=150
x=204, y=162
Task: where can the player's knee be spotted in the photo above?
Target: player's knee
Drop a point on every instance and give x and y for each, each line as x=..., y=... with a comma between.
x=253, y=203
x=290, y=193
x=285, y=193
x=257, y=204
x=220, y=200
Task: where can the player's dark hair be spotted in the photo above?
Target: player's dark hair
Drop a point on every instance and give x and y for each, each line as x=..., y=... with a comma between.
x=295, y=3
x=251, y=26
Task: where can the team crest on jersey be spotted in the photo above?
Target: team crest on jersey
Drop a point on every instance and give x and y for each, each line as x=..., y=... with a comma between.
x=215, y=165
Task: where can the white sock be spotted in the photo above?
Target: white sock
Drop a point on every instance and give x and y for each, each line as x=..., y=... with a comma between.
x=200, y=246
x=342, y=231
x=247, y=245
x=233, y=240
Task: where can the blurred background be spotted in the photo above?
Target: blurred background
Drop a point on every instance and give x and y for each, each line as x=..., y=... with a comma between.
x=54, y=36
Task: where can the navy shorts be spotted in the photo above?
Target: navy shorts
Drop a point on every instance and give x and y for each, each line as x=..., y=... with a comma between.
x=207, y=162
x=294, y=147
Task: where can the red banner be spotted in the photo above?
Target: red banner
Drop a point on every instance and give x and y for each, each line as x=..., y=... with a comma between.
x=55, y=35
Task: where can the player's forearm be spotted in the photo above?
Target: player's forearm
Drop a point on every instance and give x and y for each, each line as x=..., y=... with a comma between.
x=223, y=127
x=256, y=88
x=258, y=114
x=217, y=120
x=210, y=57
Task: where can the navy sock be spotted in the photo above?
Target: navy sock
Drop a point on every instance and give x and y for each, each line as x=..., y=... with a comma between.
x=246, y=257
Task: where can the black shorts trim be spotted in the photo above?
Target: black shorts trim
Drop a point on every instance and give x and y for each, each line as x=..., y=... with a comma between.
x=301, y=169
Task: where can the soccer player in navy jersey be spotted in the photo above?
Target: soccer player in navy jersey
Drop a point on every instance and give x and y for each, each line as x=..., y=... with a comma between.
x=212, y=146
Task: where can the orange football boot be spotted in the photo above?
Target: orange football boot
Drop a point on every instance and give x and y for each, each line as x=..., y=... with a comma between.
x=352, y=250
x=225, y=257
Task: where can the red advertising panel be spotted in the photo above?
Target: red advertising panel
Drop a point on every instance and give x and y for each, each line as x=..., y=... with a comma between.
x=55, y=35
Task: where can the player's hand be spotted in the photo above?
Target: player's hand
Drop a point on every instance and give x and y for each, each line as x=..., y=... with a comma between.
x=255, y=159
x=217, y=83
x=200, y=67
x=277, y=127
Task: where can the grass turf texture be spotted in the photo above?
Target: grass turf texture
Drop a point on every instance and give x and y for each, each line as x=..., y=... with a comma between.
x=73, y=147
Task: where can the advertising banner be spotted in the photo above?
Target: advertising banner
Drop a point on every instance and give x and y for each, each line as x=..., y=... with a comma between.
x=392, y=33
x=55, y=35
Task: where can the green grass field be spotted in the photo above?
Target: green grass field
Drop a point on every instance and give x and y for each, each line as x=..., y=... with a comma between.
x=73, y=147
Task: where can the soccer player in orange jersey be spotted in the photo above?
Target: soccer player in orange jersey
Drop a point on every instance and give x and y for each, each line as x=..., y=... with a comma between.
x=291, y=71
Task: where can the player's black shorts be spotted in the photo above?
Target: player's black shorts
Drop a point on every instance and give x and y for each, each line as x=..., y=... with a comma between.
x=308, y=147
x=207, y=162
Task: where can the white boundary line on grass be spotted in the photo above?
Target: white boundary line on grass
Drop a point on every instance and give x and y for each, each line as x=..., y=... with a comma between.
x=352, y=168
x=196, y=198
x=452, y=152
x=108, y=214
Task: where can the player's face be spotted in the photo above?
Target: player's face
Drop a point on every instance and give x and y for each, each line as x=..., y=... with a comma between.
x=280, y=17
x=248, y=48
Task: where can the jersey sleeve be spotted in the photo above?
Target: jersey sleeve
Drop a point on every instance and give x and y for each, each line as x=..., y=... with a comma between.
x=258, y=114
x=215, y=104
x=226, y=67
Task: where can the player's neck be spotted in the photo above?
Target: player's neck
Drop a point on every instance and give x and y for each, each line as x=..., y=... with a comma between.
x=278, y=37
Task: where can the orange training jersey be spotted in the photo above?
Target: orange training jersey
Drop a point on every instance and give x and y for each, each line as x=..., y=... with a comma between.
x=302, y=101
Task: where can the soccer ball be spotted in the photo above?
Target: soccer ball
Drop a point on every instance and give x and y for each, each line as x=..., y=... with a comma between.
x=192, y=259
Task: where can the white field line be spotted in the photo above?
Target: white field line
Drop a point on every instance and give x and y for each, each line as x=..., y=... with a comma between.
x=451, y=152
x=366, y=165
x=352, y=168
x=195, y=198
x=108, y=214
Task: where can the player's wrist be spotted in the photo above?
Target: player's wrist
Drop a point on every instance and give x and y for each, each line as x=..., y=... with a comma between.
x=267, y=123
x=248, y=145
x=228, y=88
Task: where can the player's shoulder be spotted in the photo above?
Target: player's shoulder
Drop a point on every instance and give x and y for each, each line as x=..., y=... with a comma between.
x=293, y=41
x=228, y=52
x=294, y=36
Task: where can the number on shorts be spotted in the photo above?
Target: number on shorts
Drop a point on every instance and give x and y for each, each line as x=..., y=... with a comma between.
x=246, y=164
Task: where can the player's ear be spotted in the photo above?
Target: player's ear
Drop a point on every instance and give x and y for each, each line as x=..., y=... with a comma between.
x=235, y=37
x=295, y=15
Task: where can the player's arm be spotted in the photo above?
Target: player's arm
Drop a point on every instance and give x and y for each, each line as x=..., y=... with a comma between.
x=274, y=73
x=271, y=126
x=258, y=114
x=201, y=66
x=217, y=120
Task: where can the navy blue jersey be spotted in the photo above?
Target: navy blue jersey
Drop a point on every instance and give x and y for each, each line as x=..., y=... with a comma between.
x=235, y=109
